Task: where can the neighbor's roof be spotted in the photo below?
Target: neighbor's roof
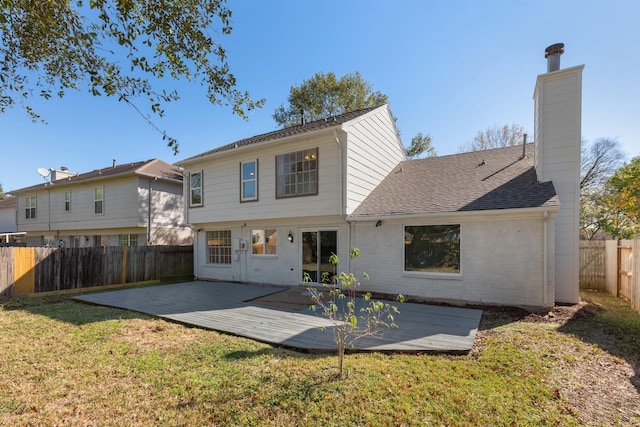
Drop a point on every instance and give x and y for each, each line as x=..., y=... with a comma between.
x=9, y=202
x=475, y=181
x=153, y=168
x=326, y=123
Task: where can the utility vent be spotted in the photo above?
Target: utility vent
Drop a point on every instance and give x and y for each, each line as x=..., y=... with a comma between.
x=552, y=53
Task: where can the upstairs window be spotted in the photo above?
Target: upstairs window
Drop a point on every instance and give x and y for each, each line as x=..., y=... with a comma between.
x=67, y=201
x=432, y=248
x=249, y=181
x=297, y=173
x=264, y=242
x=219, y=247
x=195, y=189
x=98, y=200
x=30, y=207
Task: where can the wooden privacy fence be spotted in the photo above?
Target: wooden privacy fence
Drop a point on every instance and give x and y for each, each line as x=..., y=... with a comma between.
x=612, y=266
x=33, y=270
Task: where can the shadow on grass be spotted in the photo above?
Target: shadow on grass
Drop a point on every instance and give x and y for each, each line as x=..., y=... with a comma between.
x=612, y=325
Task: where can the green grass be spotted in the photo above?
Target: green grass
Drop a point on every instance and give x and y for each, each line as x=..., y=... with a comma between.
x=65, y=363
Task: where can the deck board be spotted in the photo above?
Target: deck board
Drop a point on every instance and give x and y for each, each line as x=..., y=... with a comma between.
x=228, y=307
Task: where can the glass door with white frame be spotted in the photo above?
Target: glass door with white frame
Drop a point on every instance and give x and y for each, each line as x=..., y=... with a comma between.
x=317, y=247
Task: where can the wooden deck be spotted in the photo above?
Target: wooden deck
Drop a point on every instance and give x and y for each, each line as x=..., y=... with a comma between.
x=233, y=308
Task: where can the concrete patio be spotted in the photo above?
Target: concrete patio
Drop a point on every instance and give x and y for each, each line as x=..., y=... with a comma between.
x=281, y=316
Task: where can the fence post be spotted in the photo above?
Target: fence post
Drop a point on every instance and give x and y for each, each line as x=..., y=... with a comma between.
x=124, y=265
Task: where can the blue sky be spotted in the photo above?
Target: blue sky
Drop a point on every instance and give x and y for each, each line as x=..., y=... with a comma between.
x=450, y=69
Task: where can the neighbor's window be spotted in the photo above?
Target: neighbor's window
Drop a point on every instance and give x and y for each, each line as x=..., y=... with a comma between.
x=249, y=181
x=128, y=240
x=219, y=247
x=432, y=248
x=297, y=173
x=67, y=201
x=264, y=242
x=195, y=189
x=30, y=207
x=48, y=241
x=98, y=200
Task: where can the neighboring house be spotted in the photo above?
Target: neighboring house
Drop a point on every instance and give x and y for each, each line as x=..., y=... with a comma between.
x=133, y=204
x=497, y=226
x=9, y=234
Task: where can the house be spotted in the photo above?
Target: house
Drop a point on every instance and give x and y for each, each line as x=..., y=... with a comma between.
x=497, y=226
x=132, y=204
x=9, y=235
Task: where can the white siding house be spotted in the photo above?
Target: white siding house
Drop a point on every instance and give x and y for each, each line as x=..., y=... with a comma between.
x=132, y=204
x=480, y=227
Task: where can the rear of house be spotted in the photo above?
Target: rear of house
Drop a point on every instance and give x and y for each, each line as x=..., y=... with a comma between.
x=486, y=227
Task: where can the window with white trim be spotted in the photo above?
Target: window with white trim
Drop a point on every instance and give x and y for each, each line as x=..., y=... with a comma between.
x=219, y=247
x=98, y=200
x=249, y=181
x=30, y=207
x=195, y=189
x=128, y=240
x=264, y=242
x=432, y=248
x=297, y=173
x=67, y=201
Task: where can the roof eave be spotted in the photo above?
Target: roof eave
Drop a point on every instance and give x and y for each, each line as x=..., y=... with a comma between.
x=477, y=213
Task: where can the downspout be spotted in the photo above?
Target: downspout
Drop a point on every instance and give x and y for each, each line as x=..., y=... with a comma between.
x=545, y=261
x=149, y=208
x=343, y=204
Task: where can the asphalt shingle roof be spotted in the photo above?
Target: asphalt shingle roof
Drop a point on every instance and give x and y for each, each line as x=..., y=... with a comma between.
x=475, y=181
x=153, y=168
x=326, y=123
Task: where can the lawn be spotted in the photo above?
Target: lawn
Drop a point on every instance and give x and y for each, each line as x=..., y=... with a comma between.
x=66, y=363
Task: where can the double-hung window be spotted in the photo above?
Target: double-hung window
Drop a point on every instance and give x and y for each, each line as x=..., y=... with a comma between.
x=219, y=247
x=98, y=200
x=195, y=189
x=249, y=181
x=67, y=201
x=30, y=207
x=432, y=248
x=297, y=173
x=128, y=240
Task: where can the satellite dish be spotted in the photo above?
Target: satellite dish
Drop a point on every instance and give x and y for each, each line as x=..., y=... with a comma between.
x=43, y=172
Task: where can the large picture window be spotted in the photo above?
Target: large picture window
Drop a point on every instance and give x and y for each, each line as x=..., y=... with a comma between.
x=297, y=173
x=219, y=247
x=30, y=207
x=195, y=189
x=264, y=242
x=432, y=248
x=249, y=181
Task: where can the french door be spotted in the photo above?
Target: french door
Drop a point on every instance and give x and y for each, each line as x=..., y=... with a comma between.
x=317, y=247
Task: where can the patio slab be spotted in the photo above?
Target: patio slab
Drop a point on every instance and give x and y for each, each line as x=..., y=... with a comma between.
x=243, y=310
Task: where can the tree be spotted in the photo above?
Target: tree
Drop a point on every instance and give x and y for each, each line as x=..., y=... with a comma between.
x=113, y=47
x=324, y=95
x=2, y=193
x=339, y=307
x=420, y=144
x=622, y=201
x=495, y=137
x=599, y=160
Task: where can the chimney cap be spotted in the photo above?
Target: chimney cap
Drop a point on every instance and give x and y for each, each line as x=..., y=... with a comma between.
x=557, y=48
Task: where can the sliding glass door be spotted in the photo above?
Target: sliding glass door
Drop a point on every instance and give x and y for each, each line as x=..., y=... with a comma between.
x=317, y=247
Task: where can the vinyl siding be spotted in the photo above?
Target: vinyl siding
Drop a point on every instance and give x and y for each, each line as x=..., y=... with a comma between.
x=221, y=184
x=373, y=150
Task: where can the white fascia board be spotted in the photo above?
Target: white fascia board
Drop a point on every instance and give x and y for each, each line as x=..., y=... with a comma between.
x=469, y=215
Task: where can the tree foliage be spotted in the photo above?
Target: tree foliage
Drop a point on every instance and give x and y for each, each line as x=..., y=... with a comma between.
x=3, y=195
x=113, y=48
x=324, y=95
x=495, y=137
x=622, y=201
x=421, y=145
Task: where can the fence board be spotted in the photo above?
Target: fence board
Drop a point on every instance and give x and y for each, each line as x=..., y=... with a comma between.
x=592, y=265
x=27, y=270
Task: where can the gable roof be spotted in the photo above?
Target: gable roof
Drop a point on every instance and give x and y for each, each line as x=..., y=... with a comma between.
x=475, y=181
x=153, y=168
x=326, y=123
